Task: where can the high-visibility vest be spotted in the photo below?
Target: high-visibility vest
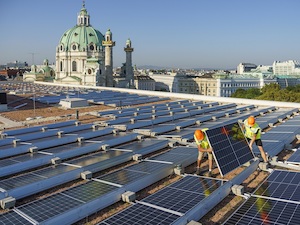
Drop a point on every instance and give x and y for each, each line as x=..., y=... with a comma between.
x=204, y=143
x=250, y=131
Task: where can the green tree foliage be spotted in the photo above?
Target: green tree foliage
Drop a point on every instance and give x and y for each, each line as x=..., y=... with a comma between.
x=239, y=93
x=250, y=93
x=270, y=88
x=271, y=92
x=295, y=89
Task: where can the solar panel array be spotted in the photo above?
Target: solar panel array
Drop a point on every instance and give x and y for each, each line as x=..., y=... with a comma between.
x=173, y=121
x=168, y=204
x=275, y=201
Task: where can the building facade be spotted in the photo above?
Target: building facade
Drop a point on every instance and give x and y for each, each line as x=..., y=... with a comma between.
x=290, y=67
x=221, y=85
x=245, y=67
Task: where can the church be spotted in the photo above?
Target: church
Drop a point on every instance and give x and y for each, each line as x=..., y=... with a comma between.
x=84, y=56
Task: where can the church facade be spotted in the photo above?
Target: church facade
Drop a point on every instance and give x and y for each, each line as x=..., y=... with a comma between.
x=84, y=55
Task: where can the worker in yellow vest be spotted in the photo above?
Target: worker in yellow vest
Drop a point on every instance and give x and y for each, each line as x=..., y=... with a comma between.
x=203, y=146
x=253, y=134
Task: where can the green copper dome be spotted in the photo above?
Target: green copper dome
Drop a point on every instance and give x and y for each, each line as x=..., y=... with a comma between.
x=82, y=37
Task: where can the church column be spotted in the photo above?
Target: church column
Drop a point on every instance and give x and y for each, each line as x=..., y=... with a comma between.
x=129, y=71
x=108, y=44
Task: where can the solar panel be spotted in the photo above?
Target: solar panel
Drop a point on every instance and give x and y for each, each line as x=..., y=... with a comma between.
x=138, y=214
x=89, y=191
x=137, y=145
x=95, y=158
x=53, y=170
x=123, y=176
x=177, y=155
x=266, y=211
x=19, y=181
x=171, y=157
x=148, y=167
x=230, y=148
x=43, y=209
x=282, y=185
x=295, y=157
x=13, y=218
x=184, y=194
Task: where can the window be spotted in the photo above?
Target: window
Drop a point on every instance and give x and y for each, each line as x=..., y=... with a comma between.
x=92, y=47
x=61, y=66
x=74, y=47
x=74, y=66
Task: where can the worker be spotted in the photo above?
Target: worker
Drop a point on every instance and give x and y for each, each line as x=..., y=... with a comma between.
x=203, y=146
x=253, y=133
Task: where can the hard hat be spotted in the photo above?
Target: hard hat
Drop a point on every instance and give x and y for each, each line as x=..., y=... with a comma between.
x=251, y=120
x=199, y=135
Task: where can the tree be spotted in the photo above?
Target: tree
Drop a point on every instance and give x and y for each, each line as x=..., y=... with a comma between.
x=239, y=93
x=250, y=93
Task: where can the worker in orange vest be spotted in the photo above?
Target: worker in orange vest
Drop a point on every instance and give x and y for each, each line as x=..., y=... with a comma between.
x=203, y=146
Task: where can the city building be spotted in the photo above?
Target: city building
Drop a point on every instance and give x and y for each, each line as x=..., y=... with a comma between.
x=16, y=65
x=40, y=73
x=221, y=85
x=245, y=67
x=290, y=67
x=166, y=81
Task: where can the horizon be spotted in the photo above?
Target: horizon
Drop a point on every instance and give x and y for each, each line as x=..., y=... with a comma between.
x=170, y=33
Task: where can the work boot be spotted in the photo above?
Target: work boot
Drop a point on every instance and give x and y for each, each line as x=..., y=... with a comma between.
x=198, y=171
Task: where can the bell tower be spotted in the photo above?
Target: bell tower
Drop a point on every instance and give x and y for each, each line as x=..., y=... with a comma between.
x=129, y=70
x=108, y=44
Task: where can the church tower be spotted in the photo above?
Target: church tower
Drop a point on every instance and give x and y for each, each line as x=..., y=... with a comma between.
x=108, y=44
x=129, y=70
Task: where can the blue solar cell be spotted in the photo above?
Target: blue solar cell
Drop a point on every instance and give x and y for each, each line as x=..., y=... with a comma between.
x=295, y=157
x=89, y=191
x=141, y=214
x=123, y=176
x=266, y=211
x=184, y=194
x=230, y=147
x=43, y=209
x=282, y=185
x=13, y=218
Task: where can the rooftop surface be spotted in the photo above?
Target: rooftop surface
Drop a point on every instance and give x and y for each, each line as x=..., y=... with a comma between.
x=132, y=160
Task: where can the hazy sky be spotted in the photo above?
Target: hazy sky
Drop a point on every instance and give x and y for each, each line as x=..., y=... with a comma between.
x=171, y=33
